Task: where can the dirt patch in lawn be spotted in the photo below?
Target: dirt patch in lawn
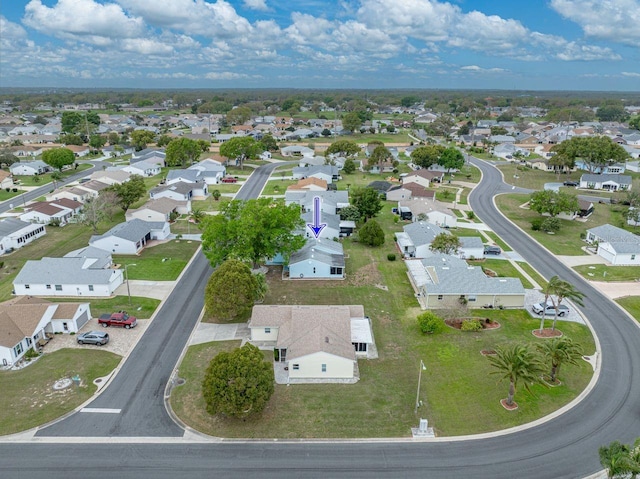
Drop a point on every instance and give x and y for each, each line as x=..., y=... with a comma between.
x=547, y=333
x=367, y=275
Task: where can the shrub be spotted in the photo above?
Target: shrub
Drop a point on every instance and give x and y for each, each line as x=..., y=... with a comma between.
x=391, y=257
x=471, y=215
x=430, y=323
x=536, y=224
x=583, y=235
x=471, y=325
x=30, y=354
x=371, y=234
x=550, y=225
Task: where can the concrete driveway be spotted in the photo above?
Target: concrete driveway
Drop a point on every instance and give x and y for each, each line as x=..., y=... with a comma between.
x=146, y=289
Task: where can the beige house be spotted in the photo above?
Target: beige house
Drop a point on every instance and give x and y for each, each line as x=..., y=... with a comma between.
x=158, y=210
x=313, y=343
x=442, y=281
x=111, y=177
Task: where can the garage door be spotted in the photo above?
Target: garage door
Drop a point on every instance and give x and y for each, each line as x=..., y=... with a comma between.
x=82, y=319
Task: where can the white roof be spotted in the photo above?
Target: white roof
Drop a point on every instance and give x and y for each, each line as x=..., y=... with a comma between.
x=361, y=331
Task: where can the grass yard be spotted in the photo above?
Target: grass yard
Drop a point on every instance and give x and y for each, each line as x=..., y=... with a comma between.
x=631, y=304
x=566, y=241
x=460, y=396
x=277, y=186
x=163, y=262
x=182, y=226
x=602, y=272
x=446, y=194
x=468, y=173
x=533, y=178
x=503, y=269
x=497, y=240
x=209, y=204
x=27, y=394
x=39, y=180
x=7, y=195
x=360, y=179
x=533, y=273
x=142, y=308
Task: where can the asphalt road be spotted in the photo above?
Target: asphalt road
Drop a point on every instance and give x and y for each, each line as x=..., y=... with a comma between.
x=563, y=448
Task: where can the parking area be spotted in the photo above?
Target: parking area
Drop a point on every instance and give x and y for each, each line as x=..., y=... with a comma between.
x=121, y=341
x=533, y=296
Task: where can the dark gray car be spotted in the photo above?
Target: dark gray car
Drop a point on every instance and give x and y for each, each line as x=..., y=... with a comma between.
x=94, y=337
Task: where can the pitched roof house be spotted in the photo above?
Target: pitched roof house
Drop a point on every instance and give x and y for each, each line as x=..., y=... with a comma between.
x=317, y=259
x=15, y=234
x=130, y=237
x=618, y=246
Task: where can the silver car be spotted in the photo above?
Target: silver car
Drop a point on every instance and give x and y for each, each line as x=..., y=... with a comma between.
x=549, y=309
x=98, y=338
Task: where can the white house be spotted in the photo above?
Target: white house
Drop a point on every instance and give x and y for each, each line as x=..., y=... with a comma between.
x=179, y=191
x=157, y=210
x=471, y=247
x=618, y=246
x=197, y=178
x=46, y=212
x=143, y=169
x=317, y=259
x=606, y=182
x=415, y=240
x=327, y=173
x=210, y=171
x=88, y=274
x=314, y=343
x=29, y=168
x=25, y=322
x=130, y=237
x=111, y=177
x=71, y=193
x=296, y=150
x=15, y=233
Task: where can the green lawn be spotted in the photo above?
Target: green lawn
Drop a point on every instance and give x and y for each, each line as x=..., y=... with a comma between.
x=27, y=395
x=142, y=308
x=533, y=273
x=504, y=269
x=497, y=240
x=209, y=204
x=631, y=304
x=277, y=186
x=6, y=195
x=566, y=241
x=39, y=180
x=163, y=262
x=446, y=194
x=469, y=174
x=533, y=178
x=601, y=272
x=459, y=394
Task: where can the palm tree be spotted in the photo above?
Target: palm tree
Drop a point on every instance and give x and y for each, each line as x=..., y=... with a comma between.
x=565, y=290
x=516, y=364
x=559, y=351
x=196, y=215
x=616, y=459
x=548, y=291
x=216, y=194
x=55, y=177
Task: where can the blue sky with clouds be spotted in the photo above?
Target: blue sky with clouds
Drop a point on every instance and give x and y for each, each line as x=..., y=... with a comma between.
x=504, y=44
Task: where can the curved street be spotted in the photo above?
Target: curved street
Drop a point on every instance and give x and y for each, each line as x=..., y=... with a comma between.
x=566, y=447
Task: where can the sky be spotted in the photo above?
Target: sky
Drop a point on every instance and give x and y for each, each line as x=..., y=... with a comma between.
x=402, y=44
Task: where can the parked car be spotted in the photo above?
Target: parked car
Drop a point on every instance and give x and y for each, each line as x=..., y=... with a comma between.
x=549, y=309
x=121, y=318
x=490, y=249
x=93, y=337
x=229, y=179
x=570, y=183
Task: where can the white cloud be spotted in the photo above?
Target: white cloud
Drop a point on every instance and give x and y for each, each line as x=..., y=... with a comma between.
x=256, y=5
x=217, y=20
x=477, y=69
x=84, y=20
x=615, y=20
x=631, y=74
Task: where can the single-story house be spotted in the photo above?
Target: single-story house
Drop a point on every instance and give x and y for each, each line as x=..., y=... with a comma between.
x=143, y=169
x=211, y=171
x=115, y=150
x=436, y=213
x=154, y=157
x=130, y=237
x=70, y=193
x=111, y=177
x=416, y=238
x=331, y=229
x=618, y=246
x=147, y=151
x=6, y=179
x=44, y=212
x=309, y=184
x=327, y=173
x=197, y=178
x=93, y=187
x=296, y=150
x=380, y=186
x=398, y=193
x=423, y=177
x=15, y=233
x=157, y=210
x=83, y=275
x=314, y=343
x=180, y=191
x=78, y=150
x=29, y=168
x=444, y=281
x=471, y=247
x=26, y=321
x=330, y=201
x=606, y=182
x=317, y=259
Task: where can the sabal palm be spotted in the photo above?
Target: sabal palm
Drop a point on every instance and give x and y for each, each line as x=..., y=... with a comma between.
x=559, y=351
x=616, y=459
x=549, y=290
x=516, y=364
x=565, y=290
x=196, y=215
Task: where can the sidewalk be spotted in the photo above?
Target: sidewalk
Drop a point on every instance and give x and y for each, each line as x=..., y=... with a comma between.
x=147, y=289
x=207, y=332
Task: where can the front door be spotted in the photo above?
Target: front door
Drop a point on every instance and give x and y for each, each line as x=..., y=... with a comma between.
x=283, y=355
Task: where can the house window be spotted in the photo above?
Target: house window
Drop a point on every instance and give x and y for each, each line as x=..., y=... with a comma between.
x=90, y=287
x=17, y=351
x=26, y=286
x=360, y=347
x=336, y=270
x=324, y=368
x=471, y=298
x=296, y=367
x=267, y=330
x=314, y=271
x=440, y=297
x=48, y=286
x=633, y=256
x=58, y=287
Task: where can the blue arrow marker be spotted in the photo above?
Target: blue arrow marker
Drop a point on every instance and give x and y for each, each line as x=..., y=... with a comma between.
x=316, y=227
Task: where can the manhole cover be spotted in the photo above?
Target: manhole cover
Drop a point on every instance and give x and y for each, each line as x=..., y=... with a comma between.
x=180, y=381
x=63, y=383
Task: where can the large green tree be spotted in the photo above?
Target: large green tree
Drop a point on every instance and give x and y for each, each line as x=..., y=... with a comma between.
x=351, y=121
x=451, y=159
x=344, y=148
x=635, y=122
x=379, y=155
x=97, y=141
x=367, y=200
x=516, y=364
x=371, y=234
x=182, y=152
x=611, y=112
x=238, y=116
x=595, y=151
x=141, y=138
x=565, y=290
x=58, y=157
x=238, y=383
x=252, y=230
x=445, y=243
x=240, y=149
x=232, y=291
x=552, y=202
x=425, y=156
x=76, y=122
x=130, y=191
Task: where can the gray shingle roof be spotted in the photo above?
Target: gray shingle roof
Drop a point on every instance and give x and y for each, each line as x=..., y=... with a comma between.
x=102, y=257
x=11, y=225
x=422, y=233
x=332, y=221
x=188, y=175
x=620, y=179
x=471, y=242
x=328, y=252
x=61, y=271
x=622, y=241
x=133, y=230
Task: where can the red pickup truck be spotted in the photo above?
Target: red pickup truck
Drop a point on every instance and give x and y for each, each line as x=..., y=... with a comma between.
x=121, y=318
x=229, y=179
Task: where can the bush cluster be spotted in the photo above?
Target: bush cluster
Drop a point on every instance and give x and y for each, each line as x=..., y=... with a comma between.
x=471, y=325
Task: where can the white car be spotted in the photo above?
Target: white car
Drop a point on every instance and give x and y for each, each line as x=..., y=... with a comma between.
x=549, y=309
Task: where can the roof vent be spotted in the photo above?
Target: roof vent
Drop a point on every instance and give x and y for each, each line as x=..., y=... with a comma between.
x=326, y=339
